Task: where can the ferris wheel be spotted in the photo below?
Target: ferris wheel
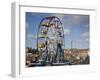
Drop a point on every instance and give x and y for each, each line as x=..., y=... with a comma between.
x=50, y=40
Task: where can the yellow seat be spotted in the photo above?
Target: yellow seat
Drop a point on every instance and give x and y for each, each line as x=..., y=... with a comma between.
x=45, y=24
x=44, y=31
x=41, y=45
x=43, y=36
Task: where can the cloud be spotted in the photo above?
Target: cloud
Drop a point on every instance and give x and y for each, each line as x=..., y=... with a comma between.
x=66, y=31
x=87, y=39
x=72, y=19
x=85, y=34
x=85, y=25
x=32, y=36
x=83, y=19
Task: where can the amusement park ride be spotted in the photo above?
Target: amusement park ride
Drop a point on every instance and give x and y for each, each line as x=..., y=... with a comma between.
x=50, y=41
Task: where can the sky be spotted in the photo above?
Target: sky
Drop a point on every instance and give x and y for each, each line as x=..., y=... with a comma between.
x=76, y=29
